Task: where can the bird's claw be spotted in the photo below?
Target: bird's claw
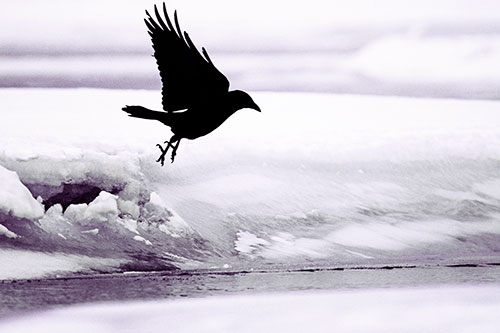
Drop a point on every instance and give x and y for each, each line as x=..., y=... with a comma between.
x=161, y=159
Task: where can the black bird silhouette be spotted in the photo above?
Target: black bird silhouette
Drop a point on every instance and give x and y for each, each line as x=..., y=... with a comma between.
x=191, y=84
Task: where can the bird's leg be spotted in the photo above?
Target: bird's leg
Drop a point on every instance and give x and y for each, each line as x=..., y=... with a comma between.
x=174, y=150
x=161, y=159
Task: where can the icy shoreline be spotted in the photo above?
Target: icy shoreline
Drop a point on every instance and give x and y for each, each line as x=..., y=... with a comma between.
x=328, y=179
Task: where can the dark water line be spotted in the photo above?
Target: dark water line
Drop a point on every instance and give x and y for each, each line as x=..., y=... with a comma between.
x=18, y=297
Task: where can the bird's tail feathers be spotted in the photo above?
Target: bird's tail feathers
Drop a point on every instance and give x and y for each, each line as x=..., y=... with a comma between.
x=142, y=112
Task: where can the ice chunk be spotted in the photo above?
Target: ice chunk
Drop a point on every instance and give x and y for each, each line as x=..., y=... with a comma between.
x=129, y=224
x=142, y=239
x=168, y=220
x=16, y=199
x=91, y=231
x=6, y=232
x=128, y=207
x=103, y=208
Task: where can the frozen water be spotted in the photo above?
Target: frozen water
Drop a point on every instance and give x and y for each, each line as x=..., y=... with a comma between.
x=15, y=199
x=331, y=180
x=430, y=309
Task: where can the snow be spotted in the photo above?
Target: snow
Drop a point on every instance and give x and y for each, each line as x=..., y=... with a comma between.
x=405, y=235
x=427, y=309
x=24, y=264
x=16, y=199
x=6, y=232
x=142, y=239
x=102, y=209
x=424, y=48
x=94, y=231
x=417, y=59
x=281, y=186
x=248, y=242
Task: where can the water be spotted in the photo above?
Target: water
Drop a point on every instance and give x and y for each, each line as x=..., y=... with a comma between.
x=321, y=192
x=36, y=295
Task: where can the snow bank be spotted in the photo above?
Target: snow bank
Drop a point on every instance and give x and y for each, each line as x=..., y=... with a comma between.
x=431, y=309
x=321, y=178
x=94, y=197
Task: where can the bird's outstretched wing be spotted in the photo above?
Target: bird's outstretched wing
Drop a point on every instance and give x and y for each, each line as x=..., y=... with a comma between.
x=188, y=77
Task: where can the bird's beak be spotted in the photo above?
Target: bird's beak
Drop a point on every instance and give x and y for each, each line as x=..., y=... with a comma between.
x=255, y=107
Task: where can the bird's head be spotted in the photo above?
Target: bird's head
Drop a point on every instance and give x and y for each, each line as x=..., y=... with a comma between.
x=242, y=100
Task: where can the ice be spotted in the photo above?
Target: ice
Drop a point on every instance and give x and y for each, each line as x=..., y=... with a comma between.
x=102, y=209
x=24, y=264
x=15, y=199
x=94, y=231
x=424, y=309
x=92, y=182
x=6, y=232
x=490, y=188
x=282, y=186
x=248, y=242
x=142, y=239
x=404, y=235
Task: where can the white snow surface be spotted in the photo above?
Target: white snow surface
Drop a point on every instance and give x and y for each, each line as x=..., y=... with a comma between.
x=23, y=264
x=16, y=199
x=429, y=309
x=337, y=178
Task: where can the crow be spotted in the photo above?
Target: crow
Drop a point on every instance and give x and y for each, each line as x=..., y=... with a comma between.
x=195, y=94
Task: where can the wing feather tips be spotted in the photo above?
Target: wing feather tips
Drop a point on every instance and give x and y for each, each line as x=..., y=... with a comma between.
x=205, y=53
x=158, y=17
x=150, y=27
x=153, y=22
x=177, y=25
x=154, y=26
x=190, y=43
x=185, y=69
x=167, y=18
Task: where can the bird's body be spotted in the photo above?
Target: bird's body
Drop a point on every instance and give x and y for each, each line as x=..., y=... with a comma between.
x=196, y=94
